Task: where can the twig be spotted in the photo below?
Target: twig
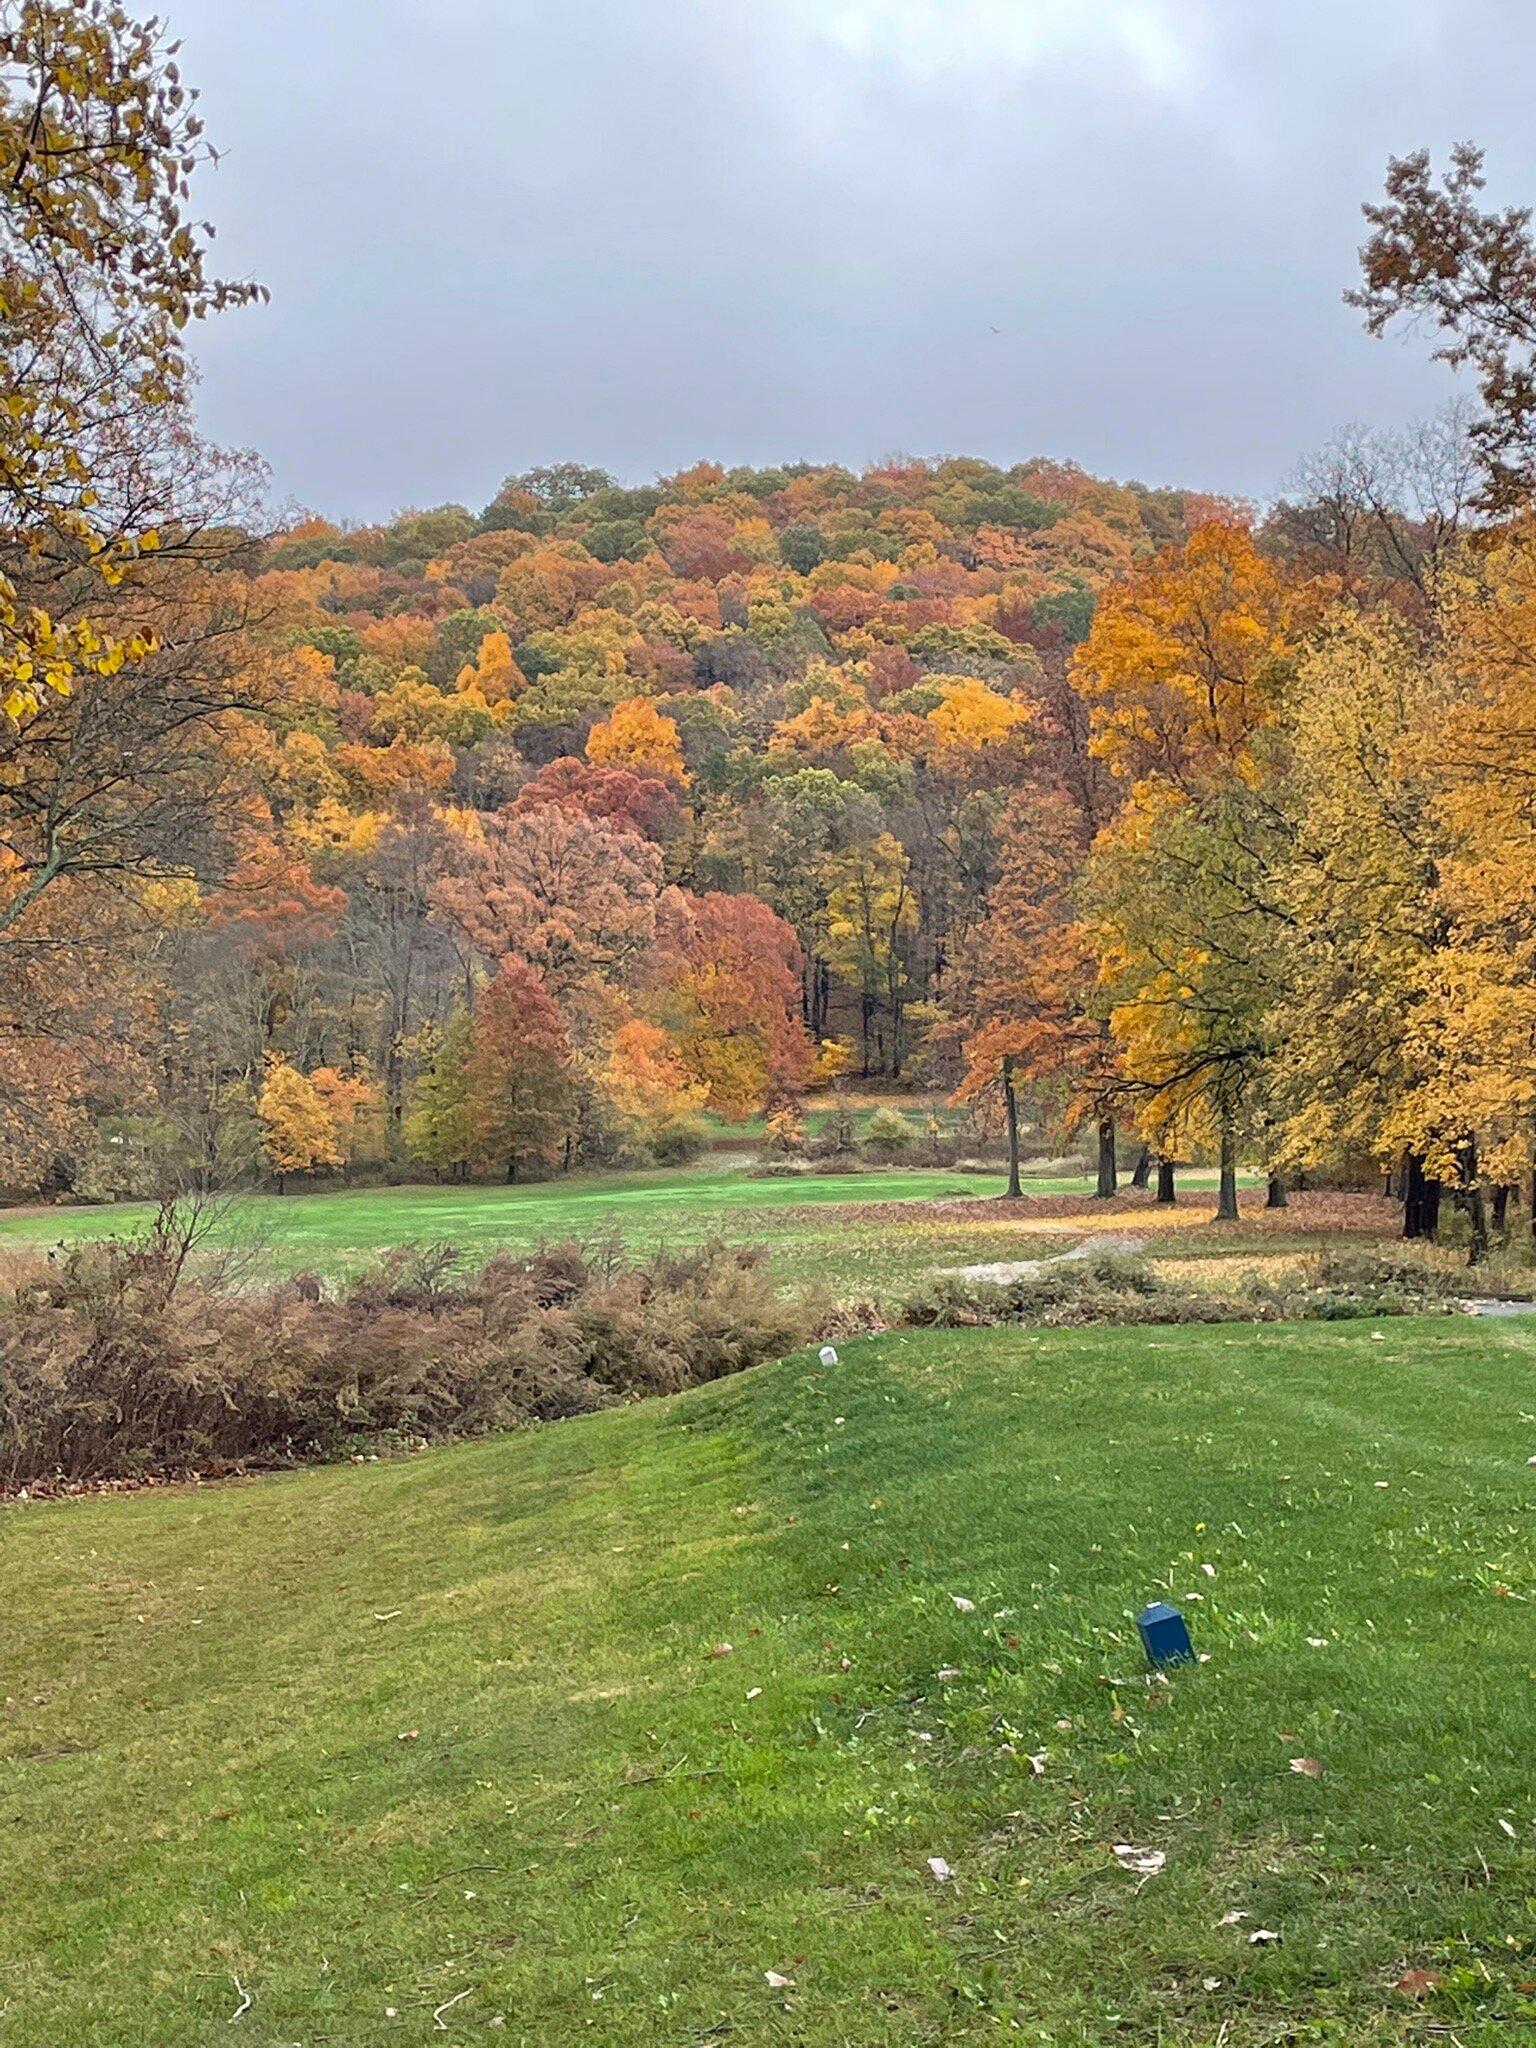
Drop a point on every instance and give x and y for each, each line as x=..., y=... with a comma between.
x=245, y=2000
x=437, y=2017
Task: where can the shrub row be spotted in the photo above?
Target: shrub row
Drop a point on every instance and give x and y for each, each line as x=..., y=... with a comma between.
x=114, y=1363
x=1113, y=1288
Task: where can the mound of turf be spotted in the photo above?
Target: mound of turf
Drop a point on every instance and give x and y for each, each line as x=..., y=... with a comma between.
x=807, y=1709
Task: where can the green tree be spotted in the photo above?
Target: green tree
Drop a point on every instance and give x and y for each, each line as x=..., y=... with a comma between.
x=437, y=1129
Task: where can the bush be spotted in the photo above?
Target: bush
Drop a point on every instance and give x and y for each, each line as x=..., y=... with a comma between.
x=837, y=1138
x=1112, y=1288
x=888, y=1135
x=784, y=1133
x=114, y=1364
x=684, y=1138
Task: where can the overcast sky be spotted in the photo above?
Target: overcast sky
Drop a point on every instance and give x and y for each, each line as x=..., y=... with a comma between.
x=641, y=232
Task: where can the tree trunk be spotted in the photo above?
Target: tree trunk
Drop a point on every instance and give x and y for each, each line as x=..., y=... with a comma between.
x=1471, y=1201
x=1011, y=1111
x=1142, y=1171
x=1165, y=1195
x=1226, y=1198
x=1275, y=1198
x=1107, y=1176
x=1500, y=1216
x=1421, y=1199
x=512, y=1169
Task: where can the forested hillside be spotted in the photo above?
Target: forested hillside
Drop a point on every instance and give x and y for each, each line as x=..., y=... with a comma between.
x=510, y=841
x=664, y=797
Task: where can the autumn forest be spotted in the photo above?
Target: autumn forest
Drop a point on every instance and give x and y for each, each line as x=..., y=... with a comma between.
x=564, y=830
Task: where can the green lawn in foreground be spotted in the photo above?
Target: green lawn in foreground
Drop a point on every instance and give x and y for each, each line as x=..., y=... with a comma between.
x=339, y=1230
x=448, y=1733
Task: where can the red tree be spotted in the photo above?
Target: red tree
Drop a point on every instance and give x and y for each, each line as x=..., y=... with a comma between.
x=643, y=804
x=572, y=896
x=732, y=966
x=520, y=1094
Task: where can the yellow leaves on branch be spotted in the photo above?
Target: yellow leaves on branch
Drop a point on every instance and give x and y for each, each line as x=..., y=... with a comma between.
x=1185, y=663
x=99, y=264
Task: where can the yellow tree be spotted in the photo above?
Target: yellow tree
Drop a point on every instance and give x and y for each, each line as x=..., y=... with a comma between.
x=298, y=1133
x=645, y=1079
x=1357, y=888
x=353, y=1103
x=871, y=912
x=1185, y=672
x=970, y=715
x=1177, y=899
x=494, y=674
x=636, y=735
x=101, y=270
x=1469, y=1110
x=1186, y=661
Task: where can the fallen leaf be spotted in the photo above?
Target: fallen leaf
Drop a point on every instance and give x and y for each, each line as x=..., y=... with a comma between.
x=775, y=1981
x=1318, y=1642
x=940, y=1868
x=755, y=1693
x=408, y=1735
x=1306, y=1766
x=1504, y=1824
x=1261, y=1937
x=1210, y=1983
x=1417, y=1983
x=1037, y=1761
x=965, y=1606
x=1145, y=1862
x=723, y=1650
x=1230, y=1919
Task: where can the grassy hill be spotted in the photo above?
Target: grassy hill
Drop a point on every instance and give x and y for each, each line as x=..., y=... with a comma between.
x=413, y=1751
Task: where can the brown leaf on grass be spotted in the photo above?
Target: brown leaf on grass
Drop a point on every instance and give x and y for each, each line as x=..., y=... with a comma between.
x=1306, y=1766
x=1417, y=1983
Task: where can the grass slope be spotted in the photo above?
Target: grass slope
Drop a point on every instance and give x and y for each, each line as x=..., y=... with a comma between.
x=448, y=1735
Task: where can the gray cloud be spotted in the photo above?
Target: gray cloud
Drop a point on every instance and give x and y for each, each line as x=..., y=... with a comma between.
x=500, y=233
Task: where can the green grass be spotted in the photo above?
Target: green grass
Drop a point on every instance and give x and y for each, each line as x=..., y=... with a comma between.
x=338, y=1230
x=390, y=1736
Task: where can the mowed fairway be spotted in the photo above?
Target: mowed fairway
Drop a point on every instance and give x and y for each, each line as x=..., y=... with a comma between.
x=815, y=1227
x=408, y=1751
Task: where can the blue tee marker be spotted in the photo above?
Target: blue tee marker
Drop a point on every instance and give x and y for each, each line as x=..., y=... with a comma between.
x=1164, y=1636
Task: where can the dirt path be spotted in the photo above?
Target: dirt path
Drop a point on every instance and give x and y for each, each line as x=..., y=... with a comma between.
x=1023, y=1269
